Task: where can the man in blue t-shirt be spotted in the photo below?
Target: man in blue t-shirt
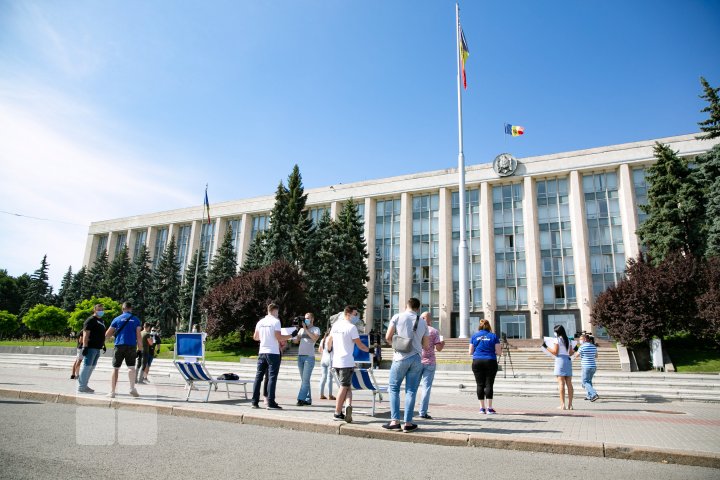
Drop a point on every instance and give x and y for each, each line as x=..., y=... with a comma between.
x=126, y=329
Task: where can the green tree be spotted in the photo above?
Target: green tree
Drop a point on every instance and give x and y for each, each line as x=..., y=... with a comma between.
x=675, y=208
x=46, y=319
x=85, y=309
x=323, y=269
x=708, y=175
x=277, y=236
x=255, y=255
x=76, y=293
x=711, y=126
x=64, y=297
x=9, y=323
x=38, y=290
x=300, y=226
x=164, y=304
x=224, y=264
x=11, y=292
x=139, y=283
x=186, y=291
x=354, y=267
x=116, y=279
x=94, y=281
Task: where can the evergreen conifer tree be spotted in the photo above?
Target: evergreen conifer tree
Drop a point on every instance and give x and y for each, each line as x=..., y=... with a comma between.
x=300, y=226
x=224, y=264
x=116, y=279
x=675, y=208
x=76, y=288
x=277, y=236
x=255, y=256
x=354, y=269
x=186, y=291
x=94, y=282
x=65, y=297
x=38, y=290
x=708, y=173
x=711, y=126
x=139, y=283
x=164, y=302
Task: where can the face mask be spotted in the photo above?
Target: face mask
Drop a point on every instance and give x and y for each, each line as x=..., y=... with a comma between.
x=100, y=313
x=355, y=319
x=307, y=321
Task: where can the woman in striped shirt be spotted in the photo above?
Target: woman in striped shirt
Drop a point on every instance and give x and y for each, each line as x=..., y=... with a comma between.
x=588, y=355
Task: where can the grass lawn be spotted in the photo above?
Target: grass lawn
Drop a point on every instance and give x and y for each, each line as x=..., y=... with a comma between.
x=696, y=361
x=38, y=343
x=217, y=356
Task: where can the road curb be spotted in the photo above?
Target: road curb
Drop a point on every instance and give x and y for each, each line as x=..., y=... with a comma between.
x=451, y=439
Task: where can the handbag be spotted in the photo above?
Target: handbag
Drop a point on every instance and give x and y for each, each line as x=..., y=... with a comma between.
x=404, y=344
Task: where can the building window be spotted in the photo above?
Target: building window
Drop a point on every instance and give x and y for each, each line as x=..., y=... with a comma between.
x=101, y=246
x=386, y=301
x=556, y=253
x=604, y=224
x=509, y=238
x=160, y=242
x=207, y=233
x=472, y=239
x=140, y=239
x=260, y=224
x=183, y=246
x=513, y=326
x=121, y=243
x=316, y=213
x=640, y=187
x=425, y=246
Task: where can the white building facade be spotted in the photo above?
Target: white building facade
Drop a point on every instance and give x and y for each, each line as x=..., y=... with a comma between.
x=543, y=242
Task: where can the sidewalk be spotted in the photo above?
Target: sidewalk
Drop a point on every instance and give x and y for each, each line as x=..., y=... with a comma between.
x=675, y=432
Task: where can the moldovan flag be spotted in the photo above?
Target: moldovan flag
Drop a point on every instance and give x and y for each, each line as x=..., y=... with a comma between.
x=207, y=206
x=464, y=54
x=514, y=130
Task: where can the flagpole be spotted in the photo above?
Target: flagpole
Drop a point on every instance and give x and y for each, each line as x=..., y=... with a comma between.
x=464, y=319
x=197, y=264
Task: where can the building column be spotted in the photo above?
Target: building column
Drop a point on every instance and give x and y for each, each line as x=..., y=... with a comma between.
x=218, y=233
x=194, y=242
x=532, y=258
x=626, y=199
x=445, y=260
x=111, y=243
x=131, y=243
x=172, y=232
x=245, y=233
x=405, y=287
x=334, y=210
x=150, y=241
x=581, y=253
x=90, y=247
x=369, y=232
x=487, y=252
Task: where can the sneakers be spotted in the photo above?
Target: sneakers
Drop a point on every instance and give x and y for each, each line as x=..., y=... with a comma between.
x=390, y=426
x=73, y=377
x=409, y=427
x=255, y=405
x=323, y=397
x=491, y=411
x=300, y=403
x=111, y=395
x=596, y=397
x=332, y=398
x=482, y=411
x=134, y=393
x=274, y=406
x=85, y=390
x=426, y=417
x=339, y=417
x=348, y=414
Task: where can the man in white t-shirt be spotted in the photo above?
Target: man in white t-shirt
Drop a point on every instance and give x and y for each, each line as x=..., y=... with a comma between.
x=268, y=333
x=343, y=337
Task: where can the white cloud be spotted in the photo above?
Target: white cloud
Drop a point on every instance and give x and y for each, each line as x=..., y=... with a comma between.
x=57, y=161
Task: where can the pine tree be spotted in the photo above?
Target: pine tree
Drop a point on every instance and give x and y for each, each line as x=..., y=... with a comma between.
x=164, y=302
x=76, y=288
x=322, y=267
x=300, y=226
x=139, y=283
x=354, y=266
x=115, y=285
x=711, y=126
x=224, y=264
x=65, y=297
x=12, y=290
x=708, y=175
x=186, y=291
x=255, y=256
x=277, y=237
x=38, y=290
x=675, y=208
x=94, y=282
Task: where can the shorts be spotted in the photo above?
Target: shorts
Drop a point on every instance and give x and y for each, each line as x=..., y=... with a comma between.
x=79, y=354
x=124, y=352
x=344, y=376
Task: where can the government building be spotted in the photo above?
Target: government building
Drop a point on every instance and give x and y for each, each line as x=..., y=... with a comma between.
x=546, y=235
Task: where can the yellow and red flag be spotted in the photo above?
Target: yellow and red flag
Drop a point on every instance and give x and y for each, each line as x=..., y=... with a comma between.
x=464, y=54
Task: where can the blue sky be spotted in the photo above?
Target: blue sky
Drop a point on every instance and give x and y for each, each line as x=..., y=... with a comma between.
x=111, y=109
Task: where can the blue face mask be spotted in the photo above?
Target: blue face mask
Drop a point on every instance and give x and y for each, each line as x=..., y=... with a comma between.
x=100, y=313
x=355, y=319
x=307, y=321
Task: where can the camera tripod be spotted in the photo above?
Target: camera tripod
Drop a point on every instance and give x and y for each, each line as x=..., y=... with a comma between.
x=506, y=357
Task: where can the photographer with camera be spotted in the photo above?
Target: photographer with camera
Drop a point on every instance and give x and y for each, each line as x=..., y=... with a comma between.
x=588, y=361
x=307, y=335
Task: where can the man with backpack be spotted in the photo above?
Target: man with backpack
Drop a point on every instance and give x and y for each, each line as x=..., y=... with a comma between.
x=126, y=330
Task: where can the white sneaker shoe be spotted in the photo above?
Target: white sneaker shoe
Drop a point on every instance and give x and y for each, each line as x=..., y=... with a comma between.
x=111, y=395
x=134, y=393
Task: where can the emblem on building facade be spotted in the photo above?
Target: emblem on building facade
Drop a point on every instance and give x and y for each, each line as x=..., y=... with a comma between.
x=504, y=164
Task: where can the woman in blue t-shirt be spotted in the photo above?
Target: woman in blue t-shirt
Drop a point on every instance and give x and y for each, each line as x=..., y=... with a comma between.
x=485, y=349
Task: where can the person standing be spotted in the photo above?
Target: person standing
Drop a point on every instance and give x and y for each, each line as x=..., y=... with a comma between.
x=146, y=340
x=343, y=337
x=325, y=365
x=485, y=349
x=306, y=338
x=588, y=362
x=428, y=361
x=126, y=330
x=154, y=348
x=78, y=356
x=268, y=333
x=93, y=341
x=406, y=366
x=563, y=366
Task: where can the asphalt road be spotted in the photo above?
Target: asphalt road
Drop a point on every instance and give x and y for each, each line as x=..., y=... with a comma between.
x=57, y=441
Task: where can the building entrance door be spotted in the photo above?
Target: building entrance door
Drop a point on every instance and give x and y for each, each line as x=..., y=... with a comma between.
x=567, y=320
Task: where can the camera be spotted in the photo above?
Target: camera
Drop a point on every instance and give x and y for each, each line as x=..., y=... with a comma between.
x=298, y=322
x=589, y=336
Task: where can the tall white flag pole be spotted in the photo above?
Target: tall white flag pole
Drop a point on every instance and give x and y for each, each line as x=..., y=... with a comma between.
x=464, y=319
x=197, y=264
